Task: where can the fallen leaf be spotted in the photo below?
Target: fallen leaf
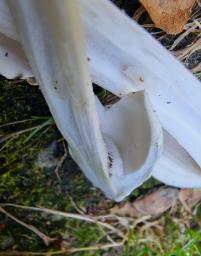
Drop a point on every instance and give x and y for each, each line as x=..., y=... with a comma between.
x=190, y=196
x=152, y=204
x=169, y=15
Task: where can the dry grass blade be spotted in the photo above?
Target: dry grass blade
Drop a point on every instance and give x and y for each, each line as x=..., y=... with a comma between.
x=69, y=215
x=184, y=53
x=138, y=13
x=15, y=134
x=16, y=122
x=47, y=240
x=61, y=161
x=182, y=36
x=68, y=251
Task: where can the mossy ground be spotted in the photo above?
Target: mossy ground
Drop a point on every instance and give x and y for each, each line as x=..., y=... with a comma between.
x=27, y=177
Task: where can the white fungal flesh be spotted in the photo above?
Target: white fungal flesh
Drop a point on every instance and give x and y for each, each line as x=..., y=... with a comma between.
x=13, y=62
x=54, y=46
x=6, y=21
x=133, y=139
x=124, y=58
x=176, y=167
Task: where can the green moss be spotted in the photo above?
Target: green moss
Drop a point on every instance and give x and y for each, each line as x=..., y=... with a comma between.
x=23, y=181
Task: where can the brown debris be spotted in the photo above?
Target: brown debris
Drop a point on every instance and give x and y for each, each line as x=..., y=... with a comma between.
x=152, y=204
x=137, y=15
x=169, y=15
x=158, y=202
x=190, y=196
x=185, y=52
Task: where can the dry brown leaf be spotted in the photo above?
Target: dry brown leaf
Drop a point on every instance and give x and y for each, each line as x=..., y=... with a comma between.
x=157, y=202
x=152, y=204
x=190, y=196
x=169, y=15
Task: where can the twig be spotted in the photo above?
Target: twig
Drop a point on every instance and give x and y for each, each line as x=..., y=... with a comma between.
x=106, y=234
x=16, y=122
x=138, y=13
x=182, y=36
x=77, y=208
x=61, y=161
x=69, y=215
x=45, y=238
x=6, y=144
x=96, y=247
x=184, y=204
x=150, y=224
x=69, y=251
x=197, y=23
x=15, y=134
x=183, y=53
x=148, y=240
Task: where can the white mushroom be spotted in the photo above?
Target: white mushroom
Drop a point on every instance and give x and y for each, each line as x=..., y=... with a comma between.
x=13, y=62
x=176, y=167
x=116, y=153
x=123, y=58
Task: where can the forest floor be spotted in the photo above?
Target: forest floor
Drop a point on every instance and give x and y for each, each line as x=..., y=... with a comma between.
x=48, y=207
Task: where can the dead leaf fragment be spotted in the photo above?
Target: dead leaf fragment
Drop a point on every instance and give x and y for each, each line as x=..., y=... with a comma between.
x=190, y=196
x=169, y=15
x=151, y=205
x=158, y=202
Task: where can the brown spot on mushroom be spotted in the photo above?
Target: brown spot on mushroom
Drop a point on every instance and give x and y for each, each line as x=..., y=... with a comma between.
x=110, y=162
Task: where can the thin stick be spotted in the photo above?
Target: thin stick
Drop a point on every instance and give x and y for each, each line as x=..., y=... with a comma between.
x=69, y=215
x=15, y=134
x=6, y=144
x=72, y=250
x=106, y=234
x=182, y=36
x=95, y=247
x=60, y=163
x=77, y=208
x=45, y=238
x=16, y=122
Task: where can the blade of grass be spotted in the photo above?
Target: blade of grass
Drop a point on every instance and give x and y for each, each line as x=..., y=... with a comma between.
x=46, y=123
